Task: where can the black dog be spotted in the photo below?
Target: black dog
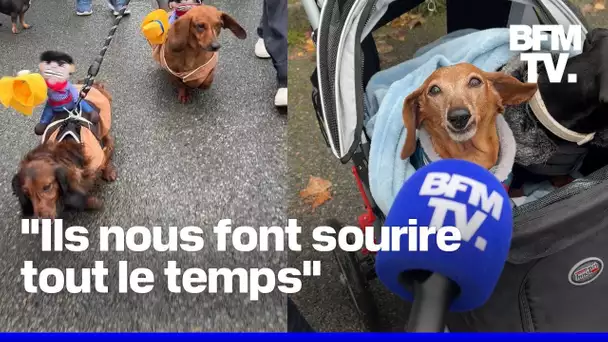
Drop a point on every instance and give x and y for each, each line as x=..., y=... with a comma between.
x=580, y=107
x=16, y=10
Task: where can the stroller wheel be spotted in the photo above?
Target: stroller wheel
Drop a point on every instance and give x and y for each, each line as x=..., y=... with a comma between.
x=355, y=279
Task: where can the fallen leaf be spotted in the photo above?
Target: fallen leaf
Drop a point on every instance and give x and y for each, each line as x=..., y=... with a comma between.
x=399, y=34
x=310, y=46
x=408, y=20
x=401, y=21
x=416, y=22
x=599, y=5
x=383, y=47
x=317, y=192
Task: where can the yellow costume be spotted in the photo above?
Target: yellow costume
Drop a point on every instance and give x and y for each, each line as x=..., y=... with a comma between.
x=155, y=26
x=23, y=92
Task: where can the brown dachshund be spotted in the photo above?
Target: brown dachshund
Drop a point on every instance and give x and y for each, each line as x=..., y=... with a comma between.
x=60, y=172
x=458, y=106
x=190, y=53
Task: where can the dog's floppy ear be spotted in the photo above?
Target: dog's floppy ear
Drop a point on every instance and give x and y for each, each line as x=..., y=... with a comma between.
x=230, y=23
x=27, y=209
x=412, y=119
x=511, y=90
x=61, y=175
x=179, y=33
x=69, y=198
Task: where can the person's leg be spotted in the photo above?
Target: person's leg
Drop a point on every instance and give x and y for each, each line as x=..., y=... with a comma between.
x=84, y=7
x=260, y=48
x=275, y=40
x=117, y=5
x=260, y=28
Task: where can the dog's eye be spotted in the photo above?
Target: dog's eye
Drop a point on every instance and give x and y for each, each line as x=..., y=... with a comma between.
x=200, y=27
x=47, y=187
x=434, y=90
x=474, y=82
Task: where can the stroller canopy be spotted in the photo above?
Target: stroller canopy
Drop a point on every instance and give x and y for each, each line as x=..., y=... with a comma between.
x=345, y=23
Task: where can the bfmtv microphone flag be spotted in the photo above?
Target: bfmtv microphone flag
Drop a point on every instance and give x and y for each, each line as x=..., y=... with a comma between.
x=452, y=193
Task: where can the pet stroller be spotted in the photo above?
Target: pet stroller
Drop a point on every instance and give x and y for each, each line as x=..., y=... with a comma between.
x=551, y=281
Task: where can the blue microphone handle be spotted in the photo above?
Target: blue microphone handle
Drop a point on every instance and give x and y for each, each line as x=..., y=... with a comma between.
x=432, y=298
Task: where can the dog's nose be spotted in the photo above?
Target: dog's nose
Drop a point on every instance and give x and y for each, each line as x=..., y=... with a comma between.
x=459, y=118
x=215, y=46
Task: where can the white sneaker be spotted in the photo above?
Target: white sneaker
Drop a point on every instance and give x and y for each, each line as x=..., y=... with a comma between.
x=280, y=99
x=260, y=49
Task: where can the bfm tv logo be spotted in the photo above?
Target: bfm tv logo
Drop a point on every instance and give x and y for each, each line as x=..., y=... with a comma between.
x=448, y=185
x=525, y=38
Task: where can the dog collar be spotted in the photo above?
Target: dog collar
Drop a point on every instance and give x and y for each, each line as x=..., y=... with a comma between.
x=542, y=114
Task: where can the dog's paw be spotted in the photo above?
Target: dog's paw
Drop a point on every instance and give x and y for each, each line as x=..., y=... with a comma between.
x=94, y=203
x=109, y=174
x=183, y=96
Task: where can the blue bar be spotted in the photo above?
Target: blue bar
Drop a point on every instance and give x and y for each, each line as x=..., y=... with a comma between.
x=293, y=337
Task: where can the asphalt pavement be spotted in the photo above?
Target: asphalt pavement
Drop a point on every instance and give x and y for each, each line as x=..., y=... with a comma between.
x=221, y=156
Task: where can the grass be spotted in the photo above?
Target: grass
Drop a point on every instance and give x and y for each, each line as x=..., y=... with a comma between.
x=298, y=25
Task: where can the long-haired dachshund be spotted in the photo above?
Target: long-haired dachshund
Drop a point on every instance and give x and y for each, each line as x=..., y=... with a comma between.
x=458, y=106
x=190, y=53
x=60, y=172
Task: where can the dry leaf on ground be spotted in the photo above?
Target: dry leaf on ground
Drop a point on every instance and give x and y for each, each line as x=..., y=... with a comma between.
x=317, y=192
x=415, y=22
x=399, y=34
x=408, y=20
x=310, y=46
x=599, y=5
x=383, y=47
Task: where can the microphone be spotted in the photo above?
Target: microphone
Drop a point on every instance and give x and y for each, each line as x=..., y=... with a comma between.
x=447, y=193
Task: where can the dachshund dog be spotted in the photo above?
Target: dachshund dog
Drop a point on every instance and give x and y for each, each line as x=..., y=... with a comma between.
x=190, y=53
x=54, y=177
x=16, y=9
x=458, y=106
x=59, y=173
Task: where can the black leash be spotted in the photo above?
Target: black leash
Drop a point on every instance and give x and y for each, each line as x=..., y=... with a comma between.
x=94, y=68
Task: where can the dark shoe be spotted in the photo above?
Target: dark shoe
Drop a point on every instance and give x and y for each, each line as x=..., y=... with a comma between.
x=40, y=128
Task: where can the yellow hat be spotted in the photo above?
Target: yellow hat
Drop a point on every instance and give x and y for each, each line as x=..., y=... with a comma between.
x=155, y=26
x=23, y=93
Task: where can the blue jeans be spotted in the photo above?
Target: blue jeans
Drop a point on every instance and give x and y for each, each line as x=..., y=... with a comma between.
x=84, y=5
x=116, y=4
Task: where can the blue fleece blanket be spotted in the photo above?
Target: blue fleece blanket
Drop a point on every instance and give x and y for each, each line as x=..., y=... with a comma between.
x=487, y=49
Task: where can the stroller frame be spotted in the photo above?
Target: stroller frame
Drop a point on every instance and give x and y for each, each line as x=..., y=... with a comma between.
x=348, y=139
